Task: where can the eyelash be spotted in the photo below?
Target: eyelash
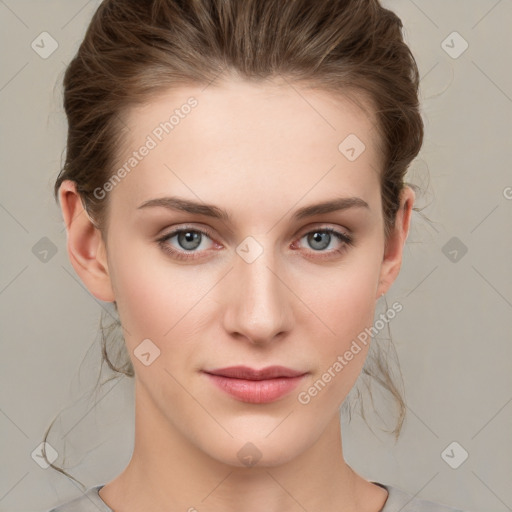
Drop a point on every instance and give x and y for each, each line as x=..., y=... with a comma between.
x=163, y=242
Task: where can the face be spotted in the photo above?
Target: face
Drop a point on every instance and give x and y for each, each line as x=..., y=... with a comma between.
x=250, y=275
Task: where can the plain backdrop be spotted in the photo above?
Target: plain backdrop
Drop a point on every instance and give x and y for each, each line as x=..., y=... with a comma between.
x=453, y=337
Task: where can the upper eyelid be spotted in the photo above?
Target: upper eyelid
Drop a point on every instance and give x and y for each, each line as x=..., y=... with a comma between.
x=299, y=234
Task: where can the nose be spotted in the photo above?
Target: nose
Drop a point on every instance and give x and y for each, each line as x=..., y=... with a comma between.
x=258, y=306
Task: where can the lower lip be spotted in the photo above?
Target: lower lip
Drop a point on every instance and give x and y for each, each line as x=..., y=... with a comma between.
x=256, y=391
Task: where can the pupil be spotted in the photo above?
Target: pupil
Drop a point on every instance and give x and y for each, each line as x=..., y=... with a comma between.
x=317, y=238
x=188, y=237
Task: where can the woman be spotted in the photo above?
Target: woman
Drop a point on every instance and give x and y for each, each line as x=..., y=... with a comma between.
x=234, y=184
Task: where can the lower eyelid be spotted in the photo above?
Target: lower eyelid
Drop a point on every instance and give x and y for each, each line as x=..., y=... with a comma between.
x=166, y=238
x=163, y=241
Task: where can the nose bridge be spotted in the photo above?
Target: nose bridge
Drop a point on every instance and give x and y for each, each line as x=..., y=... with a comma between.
x=259, y=308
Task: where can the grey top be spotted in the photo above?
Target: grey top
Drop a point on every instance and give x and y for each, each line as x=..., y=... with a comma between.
x=398, y=501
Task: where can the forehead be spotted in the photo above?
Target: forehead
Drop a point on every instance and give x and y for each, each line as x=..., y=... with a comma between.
x=248, y=138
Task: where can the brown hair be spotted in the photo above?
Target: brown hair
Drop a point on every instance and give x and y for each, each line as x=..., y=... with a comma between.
x=135, y=49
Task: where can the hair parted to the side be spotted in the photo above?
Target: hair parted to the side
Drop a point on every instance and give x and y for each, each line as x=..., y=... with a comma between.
x=136, y=49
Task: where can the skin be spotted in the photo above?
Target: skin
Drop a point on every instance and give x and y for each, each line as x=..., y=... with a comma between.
x=260, y=152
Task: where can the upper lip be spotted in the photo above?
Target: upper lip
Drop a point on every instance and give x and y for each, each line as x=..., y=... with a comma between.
x=244, y=372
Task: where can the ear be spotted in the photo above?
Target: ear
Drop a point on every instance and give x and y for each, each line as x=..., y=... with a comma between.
x=85, y=246
x=392, y=260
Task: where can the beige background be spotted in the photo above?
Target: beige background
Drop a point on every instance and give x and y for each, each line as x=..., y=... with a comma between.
x=453, y=337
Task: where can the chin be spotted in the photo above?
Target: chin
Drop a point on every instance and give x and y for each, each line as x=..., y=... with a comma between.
x=256, y=451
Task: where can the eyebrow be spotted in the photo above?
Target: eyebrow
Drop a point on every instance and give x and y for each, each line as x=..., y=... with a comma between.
x=185, y=205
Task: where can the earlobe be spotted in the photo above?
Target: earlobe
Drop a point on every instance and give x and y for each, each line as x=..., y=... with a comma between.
x=392, y=260
x=85, y=246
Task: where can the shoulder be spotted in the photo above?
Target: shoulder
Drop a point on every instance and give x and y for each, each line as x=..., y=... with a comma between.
x=90, y=501
x=400, y=500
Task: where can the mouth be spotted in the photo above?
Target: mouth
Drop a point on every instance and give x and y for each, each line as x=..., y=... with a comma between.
x=256, y=386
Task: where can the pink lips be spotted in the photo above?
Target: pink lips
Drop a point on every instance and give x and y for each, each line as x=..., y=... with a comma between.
x=256, y=386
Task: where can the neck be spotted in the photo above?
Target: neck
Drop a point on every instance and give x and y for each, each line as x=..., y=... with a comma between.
x=175, y=474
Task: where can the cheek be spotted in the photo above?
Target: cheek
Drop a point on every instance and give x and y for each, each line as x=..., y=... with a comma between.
x=151, y=295
x=160, y=300
x=139, y=303
x=345, y=304
x=342, y=298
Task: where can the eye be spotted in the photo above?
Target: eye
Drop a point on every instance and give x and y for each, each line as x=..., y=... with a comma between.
x=187, y=241
x=321, y=239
